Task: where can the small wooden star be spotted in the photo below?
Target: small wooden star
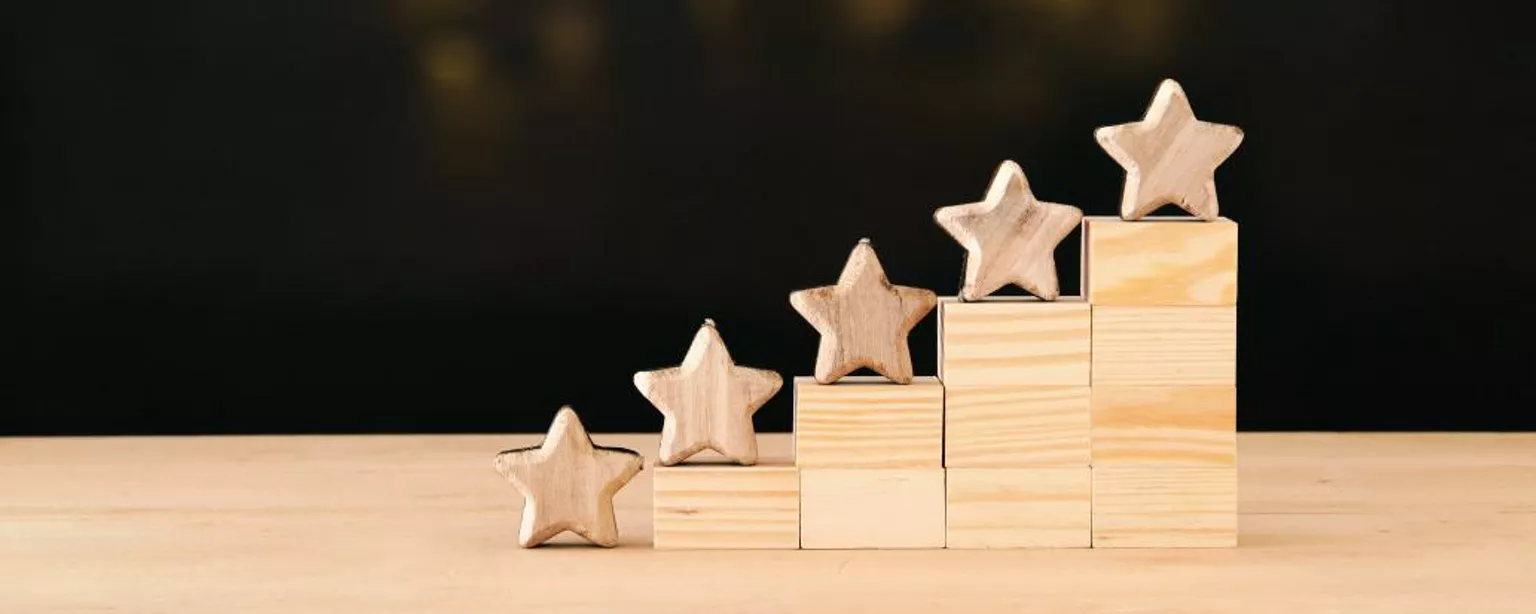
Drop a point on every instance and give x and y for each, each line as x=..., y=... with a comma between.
x=864, y=320
x=1170, y=157
x=708, y=401
x=1010, y=237
x=568, y=483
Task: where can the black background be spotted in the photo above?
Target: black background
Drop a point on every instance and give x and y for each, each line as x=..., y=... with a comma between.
x=457, y=215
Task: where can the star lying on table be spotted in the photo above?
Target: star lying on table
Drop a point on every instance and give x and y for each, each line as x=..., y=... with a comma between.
x=568, y=483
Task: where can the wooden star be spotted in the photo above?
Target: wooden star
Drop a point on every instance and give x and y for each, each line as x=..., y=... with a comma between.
x=1169, y=156
x=708, y=401
x=568, y=483
x=1010, y=237
x=863, y=320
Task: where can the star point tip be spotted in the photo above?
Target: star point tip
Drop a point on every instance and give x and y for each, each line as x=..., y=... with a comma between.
x=710, y=322
x=864, y=241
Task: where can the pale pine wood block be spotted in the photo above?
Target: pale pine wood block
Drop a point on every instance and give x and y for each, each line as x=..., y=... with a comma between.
x=1048, y=507
x=1164, y=346
x=1016, y=426
x=1021, y=340
x=1160, y=261
x=725, y=506
x=1173, y=426
x=869, y=422
x=872, y=508
x=1164, y=507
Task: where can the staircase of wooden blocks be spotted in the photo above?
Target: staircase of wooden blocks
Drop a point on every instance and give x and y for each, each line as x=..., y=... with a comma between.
x=1107, y=420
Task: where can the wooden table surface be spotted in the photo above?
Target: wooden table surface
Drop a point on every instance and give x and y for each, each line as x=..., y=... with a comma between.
x=383, y=524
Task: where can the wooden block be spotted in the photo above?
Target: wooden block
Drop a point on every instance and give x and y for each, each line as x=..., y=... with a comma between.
x=1019, y=508
x=727, y=507
x=1178, y=426
x=1164, y=346
x=1016, y=426
x=1164, y=507
x=868, y=422
x=1160, y=261
x=1012, y=341
x=871, y=508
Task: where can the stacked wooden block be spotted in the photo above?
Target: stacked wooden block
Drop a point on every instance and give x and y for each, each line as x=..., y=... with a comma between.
x=871, y=458
x=1016, y=422
x=1106, y=421
x=1164, y=380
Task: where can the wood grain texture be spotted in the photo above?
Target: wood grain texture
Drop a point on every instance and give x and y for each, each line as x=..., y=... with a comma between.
x=1019, y=508
x=568, y=483
x=1164, y=507
x=1016, y=426
x=1170, y=157
x=1010, y=237
x=871, y=508
x=1015, y=341
x=414, y=524
x=727, y=507
x=707, y=402
x=1160, y=261
x=866, y=422
x=1164, y=346
x=864, y=319
x=1179, y=426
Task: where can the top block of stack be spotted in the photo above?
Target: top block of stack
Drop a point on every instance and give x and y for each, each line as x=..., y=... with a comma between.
x=1160, y=261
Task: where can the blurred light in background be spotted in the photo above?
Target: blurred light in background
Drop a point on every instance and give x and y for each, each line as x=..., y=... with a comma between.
x=454, y=62
x=571, y=42
x=874, y=21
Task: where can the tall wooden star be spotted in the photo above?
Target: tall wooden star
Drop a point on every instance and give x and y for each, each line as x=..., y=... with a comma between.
x=1170, y=157
x=864, y=320
x=568, y=483
x=708, y=401
x=1010, y=237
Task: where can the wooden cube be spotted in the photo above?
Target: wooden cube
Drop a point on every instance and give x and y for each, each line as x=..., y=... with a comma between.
x=1164, y=507
x=1160, y=260
x=1164, y=346
x=1177, y=426
x=869, y=422
x=871, y=508
x=727, y=506
x=1014, y=341
x=1016, y=426
x=1019, y=508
